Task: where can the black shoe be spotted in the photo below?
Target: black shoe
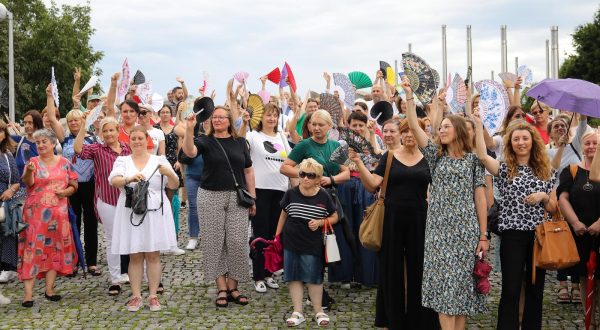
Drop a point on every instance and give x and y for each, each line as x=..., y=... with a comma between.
x=55, y=297
x=160, y=289
x=28, y=303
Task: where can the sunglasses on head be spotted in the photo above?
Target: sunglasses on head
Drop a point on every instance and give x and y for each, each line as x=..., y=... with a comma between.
x=311, y=176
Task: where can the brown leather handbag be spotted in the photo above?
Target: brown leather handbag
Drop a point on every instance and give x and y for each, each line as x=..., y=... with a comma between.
x=554, y=246
x=371, y=228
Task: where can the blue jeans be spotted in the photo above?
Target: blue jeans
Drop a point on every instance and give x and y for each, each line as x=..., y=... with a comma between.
x=192, y=184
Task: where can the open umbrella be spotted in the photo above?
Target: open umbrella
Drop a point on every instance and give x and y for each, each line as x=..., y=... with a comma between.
x=589, y=295
x=273, y=253
x=77, y=240
x=569, y=94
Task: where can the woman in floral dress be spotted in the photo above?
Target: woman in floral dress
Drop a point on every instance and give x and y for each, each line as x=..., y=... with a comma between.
x=46, y=247
x=456, y=229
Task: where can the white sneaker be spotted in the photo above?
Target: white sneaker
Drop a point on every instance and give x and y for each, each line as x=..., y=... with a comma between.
x=192, y=244
x=124, y=279
x=260, y=286
x=271, y=283
x=4, y=300
x=345, y=286
x=7, y=276
x=175, y=251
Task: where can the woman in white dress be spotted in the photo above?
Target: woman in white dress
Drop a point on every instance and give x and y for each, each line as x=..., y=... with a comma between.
x=156, y=232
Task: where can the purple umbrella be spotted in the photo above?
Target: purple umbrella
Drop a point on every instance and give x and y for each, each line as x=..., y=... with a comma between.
x=569, y=94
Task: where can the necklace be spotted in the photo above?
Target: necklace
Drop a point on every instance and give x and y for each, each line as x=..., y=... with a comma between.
x=587, y=186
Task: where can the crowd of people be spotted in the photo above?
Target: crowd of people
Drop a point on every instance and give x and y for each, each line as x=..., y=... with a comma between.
x=444, y=172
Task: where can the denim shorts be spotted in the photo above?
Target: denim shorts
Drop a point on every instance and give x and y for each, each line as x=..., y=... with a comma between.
x=302, y=267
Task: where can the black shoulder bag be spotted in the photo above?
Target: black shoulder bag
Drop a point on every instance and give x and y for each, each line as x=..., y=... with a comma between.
x=244, y=199
x=136, y=198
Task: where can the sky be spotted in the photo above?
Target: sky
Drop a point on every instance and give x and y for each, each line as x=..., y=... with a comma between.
x=168, y=39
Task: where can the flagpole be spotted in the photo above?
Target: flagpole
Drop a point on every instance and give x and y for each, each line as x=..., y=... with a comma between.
x=444, y=56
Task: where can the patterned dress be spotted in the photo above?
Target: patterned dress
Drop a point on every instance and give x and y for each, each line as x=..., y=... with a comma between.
x=47, y=244
x=452, y=234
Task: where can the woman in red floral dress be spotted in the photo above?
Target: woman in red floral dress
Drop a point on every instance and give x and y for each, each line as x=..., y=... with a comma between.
x=46, y=247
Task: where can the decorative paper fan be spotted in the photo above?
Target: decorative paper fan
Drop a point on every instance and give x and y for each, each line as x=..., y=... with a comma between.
x=205, y=81
x=143, y=91
x=139, y=78
x=203, y=109
x=493, y=103
x=274, y=76
x=265, y=96
x=508, y=76
x=286, y=72
x=456, y=95
x=241, y=77
x=388, y=72
x=334, y=134
x=359, y=144
x=360, y=79
x=256, y=109
x=381, y=112
x=526, y=74
x=423, y=79
x=331, y=105
x=54, y=89
x=340, y=79
x=3, y=93
x=340, y=154
x=156, y=102
x=124, y=84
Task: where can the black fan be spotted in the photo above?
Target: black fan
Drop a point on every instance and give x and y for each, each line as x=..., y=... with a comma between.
x=139, y=78
x=203, y=109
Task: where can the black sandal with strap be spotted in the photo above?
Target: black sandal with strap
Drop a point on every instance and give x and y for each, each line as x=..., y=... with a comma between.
x=219, y=300
x=238, y=299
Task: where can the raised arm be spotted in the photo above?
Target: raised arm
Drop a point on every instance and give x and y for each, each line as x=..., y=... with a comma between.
x=76, y=83
x=188, y=146
x=263, y=82
x=437, y=113
x=327, y=78
x=112, y=95
x=78, y=143
x=595, y=167
x=516, y=96
x=54, y=123
x=491, y=164
x=369, y=180
x=183, y=87
x=411, y=115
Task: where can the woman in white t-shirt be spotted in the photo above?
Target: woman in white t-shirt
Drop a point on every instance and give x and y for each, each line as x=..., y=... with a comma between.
x=157, y=136
x=268, y=149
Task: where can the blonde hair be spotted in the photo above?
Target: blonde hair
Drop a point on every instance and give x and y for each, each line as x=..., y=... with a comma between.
x=587, y=134
x=541, y=105
x=311, y=165
x=230, y=129
x=323, y=115
x=538, y=158
x=108, y=120
x=74, y=114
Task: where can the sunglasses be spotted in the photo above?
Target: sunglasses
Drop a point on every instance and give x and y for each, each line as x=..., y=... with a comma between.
x=537, y=112
x=310, y=176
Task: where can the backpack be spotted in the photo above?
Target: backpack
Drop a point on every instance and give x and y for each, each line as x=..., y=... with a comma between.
x=139, y=199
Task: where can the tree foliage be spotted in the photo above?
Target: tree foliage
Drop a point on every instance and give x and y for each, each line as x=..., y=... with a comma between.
x=46, y=37
x=585, y=63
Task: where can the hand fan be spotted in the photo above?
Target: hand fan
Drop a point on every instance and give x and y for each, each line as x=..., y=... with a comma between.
x=340, y=79
x=274, y=76
x=524, y=72
x=143, y=91
x=203, y=109
x=334, y=134
x=331, y=104
x=54, y=88
x=255, y=109
x=3, y=93
x=124, y=84
x=381, y=112
x=388, y=72
x=91, y=118
x=139, y=78
x=423, y=79
x=157, y=102
x=264, y=96
x=456, y=95
x=360, y=79
x=356, y=142
x=340, y=154
x=493, y=102
x=508, y=76
x=241, y=77
x=91, y=83
x=205, y=81
x=286, y=72
x=25, y=153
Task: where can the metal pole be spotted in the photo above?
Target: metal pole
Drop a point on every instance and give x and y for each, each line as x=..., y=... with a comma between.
x=409, y=47
x=547, y=58
x=556, y=53
x=517, y=65
x=493, y=75
x=444, y=56
x=469, y=53
x=553, y=53
x=396, y=72
x=11, y=70
x=504, y=49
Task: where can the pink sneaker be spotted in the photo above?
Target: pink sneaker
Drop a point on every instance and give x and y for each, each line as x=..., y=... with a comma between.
x=153, y=303
x=134, y=304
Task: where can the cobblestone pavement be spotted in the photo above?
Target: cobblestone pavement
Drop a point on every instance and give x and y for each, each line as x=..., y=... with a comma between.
x=188, y=303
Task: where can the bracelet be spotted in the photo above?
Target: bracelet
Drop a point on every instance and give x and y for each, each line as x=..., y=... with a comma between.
x=483, y=240
x=412, y=98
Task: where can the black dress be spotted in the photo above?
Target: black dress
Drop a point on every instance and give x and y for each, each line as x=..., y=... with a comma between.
x=403, y=242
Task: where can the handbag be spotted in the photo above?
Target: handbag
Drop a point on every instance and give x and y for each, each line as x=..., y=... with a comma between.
x=18, y=224
x=371, y=228
x=492, y=218
x=139, y=199
x=244, y=198
x=332, y=251
x=554, y=246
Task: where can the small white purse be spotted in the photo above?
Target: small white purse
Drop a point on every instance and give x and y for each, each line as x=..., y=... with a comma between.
x=332, y=251
x=2, y=211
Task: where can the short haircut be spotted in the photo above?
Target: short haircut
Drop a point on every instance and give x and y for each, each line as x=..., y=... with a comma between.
x=138, y=128
x=310, y=165
x=175, y=89
x=133, y=104
x=74, y=114
x=46, y=133
x=323, y=115
x=357, y=116
x=268, y=108
x=36, y=117
x=108, y=120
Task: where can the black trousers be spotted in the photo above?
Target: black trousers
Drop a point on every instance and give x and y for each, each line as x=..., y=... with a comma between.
x=264, y=224
x=403, y=239
x=516, y=252
x=82, y=203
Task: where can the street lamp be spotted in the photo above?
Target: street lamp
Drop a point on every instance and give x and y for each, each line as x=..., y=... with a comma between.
x=5, y=14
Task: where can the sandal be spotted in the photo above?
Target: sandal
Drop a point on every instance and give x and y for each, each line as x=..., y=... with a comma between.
x=219, y=301
x=322, y=319
x=94, y=271
x=237, y=299
x=160, y=289
x=295, y=320
x=575, y=295
x=114, y=290
x=563, y=295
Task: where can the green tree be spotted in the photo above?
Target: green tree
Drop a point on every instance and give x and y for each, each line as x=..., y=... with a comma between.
x=585, y=63
x=46, y=37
